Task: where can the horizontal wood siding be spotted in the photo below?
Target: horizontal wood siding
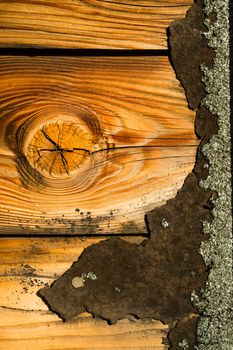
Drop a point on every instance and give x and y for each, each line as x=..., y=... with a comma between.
x=92, y=24
x=131, y=107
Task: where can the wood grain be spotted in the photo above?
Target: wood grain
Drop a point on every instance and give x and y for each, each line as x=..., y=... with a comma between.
x=94, y=24
x=28, y=264
x=25, y=322
x=141, y=143
x=42, y=331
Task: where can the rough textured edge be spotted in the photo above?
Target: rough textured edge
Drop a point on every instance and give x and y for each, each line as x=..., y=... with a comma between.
x=214, y=330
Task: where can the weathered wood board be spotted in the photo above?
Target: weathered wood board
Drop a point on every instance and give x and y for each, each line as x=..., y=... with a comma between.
x=25, y=322
x=94, y=24
x=42, y=330
x=89, y=145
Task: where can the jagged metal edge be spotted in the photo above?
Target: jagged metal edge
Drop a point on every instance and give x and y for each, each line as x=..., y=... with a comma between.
x=215, y=328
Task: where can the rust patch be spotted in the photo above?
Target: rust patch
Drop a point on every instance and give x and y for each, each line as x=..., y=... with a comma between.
x=182, y=336
x=154, y=279
x=189, y=51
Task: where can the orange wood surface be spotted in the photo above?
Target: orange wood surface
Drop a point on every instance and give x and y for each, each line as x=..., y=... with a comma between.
x=126, y=143
x=92, y=24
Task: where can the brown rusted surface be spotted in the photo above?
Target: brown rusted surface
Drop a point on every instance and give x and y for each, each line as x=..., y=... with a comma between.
x=205, y=127
x=182, y=336
x=154, y=279
x=189, y=51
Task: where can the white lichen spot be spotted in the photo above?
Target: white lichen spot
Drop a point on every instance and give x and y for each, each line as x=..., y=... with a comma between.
x=90, y=275
x=193, y=274
x=164, y=223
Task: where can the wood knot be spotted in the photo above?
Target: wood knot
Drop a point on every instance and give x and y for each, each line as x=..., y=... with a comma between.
x=59, y=148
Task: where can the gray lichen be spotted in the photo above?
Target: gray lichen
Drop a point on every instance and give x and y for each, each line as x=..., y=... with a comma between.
x=164, y=223
x=216, y=305
x=91, y=275
x=183, y=344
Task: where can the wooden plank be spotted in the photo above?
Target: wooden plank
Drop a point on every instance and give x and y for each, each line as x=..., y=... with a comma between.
x=89, y=145
x=40, y=331
x=26, y=265
x=44, y=257
x=29, y=264
x=119, y=24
